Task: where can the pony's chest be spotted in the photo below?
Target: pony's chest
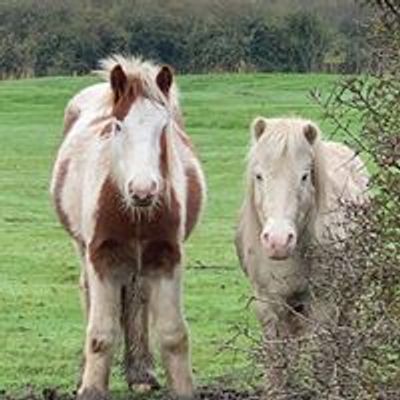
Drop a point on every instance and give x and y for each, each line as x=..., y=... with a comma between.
x=130, y=227
x=123, y=238
x=282, y=278
x=114, y=221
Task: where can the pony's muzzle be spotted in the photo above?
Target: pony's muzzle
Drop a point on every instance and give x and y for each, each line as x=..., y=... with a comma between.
x=279, y=244
x=143, y=195
x=142, y=202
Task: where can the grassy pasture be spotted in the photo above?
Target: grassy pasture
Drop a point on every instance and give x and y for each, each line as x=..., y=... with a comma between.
x=41, y=328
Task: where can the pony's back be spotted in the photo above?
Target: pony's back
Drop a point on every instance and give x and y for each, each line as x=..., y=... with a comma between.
x=347, y=185
x=347, y=173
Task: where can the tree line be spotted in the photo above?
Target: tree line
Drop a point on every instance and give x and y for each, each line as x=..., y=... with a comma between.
x=50, y=37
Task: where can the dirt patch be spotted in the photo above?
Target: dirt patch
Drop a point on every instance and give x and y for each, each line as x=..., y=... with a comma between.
x=224, y=394
x=33, y=394
x=204, y=393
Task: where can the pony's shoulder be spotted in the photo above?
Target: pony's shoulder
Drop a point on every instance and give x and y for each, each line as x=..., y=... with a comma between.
x=347, y=172
x=89, y=97
x=88, y=104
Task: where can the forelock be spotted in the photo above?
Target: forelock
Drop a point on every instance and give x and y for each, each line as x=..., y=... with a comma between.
x=283, y=139
x=136, y=69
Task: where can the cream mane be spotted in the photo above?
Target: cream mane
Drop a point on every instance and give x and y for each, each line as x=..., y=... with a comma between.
x=146, y=72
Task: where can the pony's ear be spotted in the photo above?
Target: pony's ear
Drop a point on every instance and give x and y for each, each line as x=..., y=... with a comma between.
x=118, y=81
x=311, y=133
x=257, y=127
x=164, y=79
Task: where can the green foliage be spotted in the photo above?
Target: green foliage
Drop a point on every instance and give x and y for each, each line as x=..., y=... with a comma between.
x=50, y=37
x=298, y=44
x=306, y=41
x=365, y=110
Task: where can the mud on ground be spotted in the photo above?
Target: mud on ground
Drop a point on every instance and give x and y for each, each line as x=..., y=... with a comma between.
x=205, y=393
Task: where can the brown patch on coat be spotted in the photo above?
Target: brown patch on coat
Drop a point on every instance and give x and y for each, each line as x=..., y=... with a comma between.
x=117, y=229
x=99, y=346
x=164, y=155
x=70, y=117
x=194, y=195
x=193, y=200
x=103, y=124
x=162, y=255
x=124, y=101
x=106, y=130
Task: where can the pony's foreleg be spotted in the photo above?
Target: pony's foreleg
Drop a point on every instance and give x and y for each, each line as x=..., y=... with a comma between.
x=84, y=291
x=84, y=295
x=83, y=281
x=102, y=330
x=325, y=356
x=276, y=377
x=166, y=307
x=85, y=305
x=138, y=363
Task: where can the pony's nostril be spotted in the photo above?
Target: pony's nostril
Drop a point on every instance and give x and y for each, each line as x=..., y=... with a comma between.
x=131, y=190
x=142, y=197
x=142, y=201
x=290, y=238
x=143, y=192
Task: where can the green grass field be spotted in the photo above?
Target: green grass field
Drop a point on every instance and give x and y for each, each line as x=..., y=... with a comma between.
x=41, y=327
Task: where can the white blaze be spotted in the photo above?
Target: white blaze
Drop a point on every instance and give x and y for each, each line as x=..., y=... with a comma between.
x=136, y=147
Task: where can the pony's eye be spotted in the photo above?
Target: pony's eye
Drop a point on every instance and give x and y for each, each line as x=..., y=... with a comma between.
x=304, y=177
x=118, y=126
x=259, y=177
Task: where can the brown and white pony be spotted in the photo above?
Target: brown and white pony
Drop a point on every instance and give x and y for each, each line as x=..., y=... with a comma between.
x=128, y=188
x=295, y=182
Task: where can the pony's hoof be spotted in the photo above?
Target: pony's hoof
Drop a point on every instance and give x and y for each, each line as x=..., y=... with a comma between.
x=92, y=394
x=144, y=384
x=141, y=388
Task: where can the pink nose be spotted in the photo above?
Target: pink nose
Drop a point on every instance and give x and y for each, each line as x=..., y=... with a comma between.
x=279, y=245
x=143, y=194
